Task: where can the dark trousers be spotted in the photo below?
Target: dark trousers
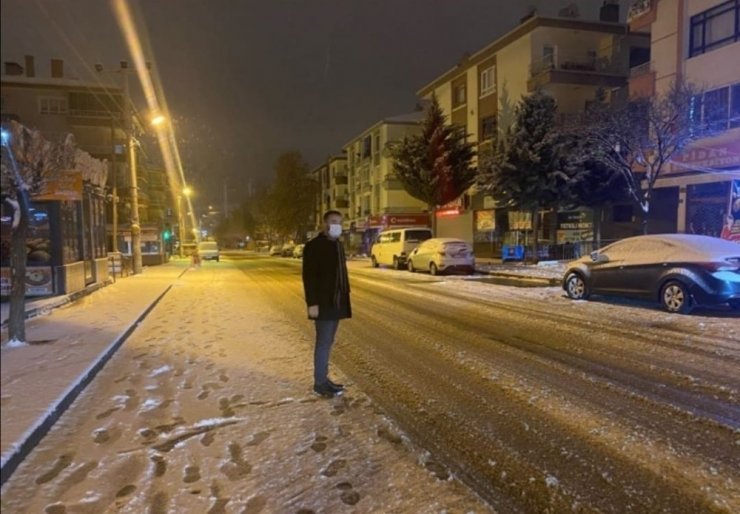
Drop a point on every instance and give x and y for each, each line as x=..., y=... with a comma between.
x=325, y=332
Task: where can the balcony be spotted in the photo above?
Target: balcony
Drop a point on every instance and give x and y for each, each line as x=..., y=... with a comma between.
x=578, y=70
x=642, y=81
x=641, y=14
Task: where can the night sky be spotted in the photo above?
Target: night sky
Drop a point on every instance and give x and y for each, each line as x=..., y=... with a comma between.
x=246, y=80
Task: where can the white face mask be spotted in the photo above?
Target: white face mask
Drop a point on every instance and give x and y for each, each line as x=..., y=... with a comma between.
x=335, y=230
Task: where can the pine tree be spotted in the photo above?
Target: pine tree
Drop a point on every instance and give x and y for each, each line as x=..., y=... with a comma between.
x=435, y=166
x=527, y=172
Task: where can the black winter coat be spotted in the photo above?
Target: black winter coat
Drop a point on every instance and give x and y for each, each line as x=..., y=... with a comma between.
x=324, y=265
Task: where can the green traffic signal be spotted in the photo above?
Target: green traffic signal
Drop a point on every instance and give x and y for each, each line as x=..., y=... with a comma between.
x=166, y=235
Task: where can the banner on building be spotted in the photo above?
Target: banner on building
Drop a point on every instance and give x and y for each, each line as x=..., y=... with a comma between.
x=63, y=186
x=38, y=281
x=575, y=226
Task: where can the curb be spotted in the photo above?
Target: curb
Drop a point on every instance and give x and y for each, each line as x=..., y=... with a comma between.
x=35, y=434
x=62, y=300
x=542, y=281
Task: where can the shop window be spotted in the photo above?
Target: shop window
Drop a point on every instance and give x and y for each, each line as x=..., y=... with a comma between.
x=70, y=223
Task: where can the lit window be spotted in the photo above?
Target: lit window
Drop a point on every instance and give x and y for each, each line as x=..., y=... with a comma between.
x=488, y=81
x=715, y=27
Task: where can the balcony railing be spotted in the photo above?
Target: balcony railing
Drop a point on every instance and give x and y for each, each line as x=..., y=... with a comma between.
x=577, y=63
x=639, y=70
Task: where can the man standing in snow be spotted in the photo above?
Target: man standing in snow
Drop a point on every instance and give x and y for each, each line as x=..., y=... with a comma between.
x=326, y=287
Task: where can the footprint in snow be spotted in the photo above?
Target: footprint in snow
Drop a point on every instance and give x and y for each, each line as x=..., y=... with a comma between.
x=60, y=464
x=319, y=444
x=259, y=438
x=334, y=467
x=192, y=474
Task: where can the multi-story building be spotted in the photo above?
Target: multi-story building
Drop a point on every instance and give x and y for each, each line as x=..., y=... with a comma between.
x=697, y=41
x=333, y=193
x=94, y=113
x=377, y=200
x=568, y=58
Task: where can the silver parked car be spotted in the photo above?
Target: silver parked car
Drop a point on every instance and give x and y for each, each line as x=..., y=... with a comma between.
x=678, y=270
x=439, y=255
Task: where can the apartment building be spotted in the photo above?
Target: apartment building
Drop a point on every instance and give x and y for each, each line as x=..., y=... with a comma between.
x=93, y=111
x=567, y=57
x=697, y=41
x=377, y=200
x=333, y=195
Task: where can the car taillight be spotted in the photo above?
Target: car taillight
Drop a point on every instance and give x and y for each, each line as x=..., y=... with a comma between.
x=726, y=265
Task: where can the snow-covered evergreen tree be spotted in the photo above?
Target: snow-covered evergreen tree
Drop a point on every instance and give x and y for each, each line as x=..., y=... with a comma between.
x=435, y=166
x=527, y=172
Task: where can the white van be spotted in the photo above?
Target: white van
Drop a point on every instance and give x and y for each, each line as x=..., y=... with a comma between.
x=208, y=250
x=393, y=246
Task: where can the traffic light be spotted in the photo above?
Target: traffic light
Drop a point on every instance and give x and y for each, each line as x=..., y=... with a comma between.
x=167, y=233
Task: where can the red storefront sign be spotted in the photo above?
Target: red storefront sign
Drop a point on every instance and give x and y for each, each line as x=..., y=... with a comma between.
x=708, y=155
x=398, y=220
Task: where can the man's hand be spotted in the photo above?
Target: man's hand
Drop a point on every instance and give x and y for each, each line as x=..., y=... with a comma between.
x=313, y=311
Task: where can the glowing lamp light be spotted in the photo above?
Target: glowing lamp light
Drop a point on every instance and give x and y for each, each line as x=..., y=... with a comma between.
x=158, y=120
x=5, y=137
x=187, y=191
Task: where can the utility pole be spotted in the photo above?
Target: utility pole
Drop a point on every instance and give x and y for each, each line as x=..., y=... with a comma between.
x=130, y=141
x=114, y=185
x=181, y=225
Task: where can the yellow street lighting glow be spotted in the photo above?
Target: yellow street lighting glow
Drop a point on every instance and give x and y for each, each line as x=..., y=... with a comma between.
x=158, y=120
x=187, y=191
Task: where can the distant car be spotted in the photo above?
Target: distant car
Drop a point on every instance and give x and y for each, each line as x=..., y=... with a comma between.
x=276, y=250
x=208, y=251
x=392, y=247
x=298, y=251
x=678, y=270
x=440, y=255
x=287, y=250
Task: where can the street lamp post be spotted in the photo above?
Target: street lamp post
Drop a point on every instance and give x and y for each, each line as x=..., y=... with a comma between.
x=186, y=191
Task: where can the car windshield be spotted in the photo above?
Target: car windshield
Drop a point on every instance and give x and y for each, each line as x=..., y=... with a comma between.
x=208, y=246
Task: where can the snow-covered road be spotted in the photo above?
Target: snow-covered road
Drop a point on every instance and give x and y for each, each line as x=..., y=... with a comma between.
x=540, y=404
x=547, y=405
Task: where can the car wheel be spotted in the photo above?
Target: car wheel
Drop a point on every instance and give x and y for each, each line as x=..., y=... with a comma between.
x=576, y=287
x=410, y=266
x=734, y=305
x=433, y=269
x=675, y=297
x=374, y=261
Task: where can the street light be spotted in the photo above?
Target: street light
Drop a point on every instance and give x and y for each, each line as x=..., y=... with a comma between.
x=158, y=120
x=5, y=136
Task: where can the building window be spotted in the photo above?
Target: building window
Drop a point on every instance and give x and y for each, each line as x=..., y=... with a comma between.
x=459, y=96
x=716, y=108
x=488, y=81
x=735, y=106
x=488, y=128
x=715, y=27
x=52, y=105
x=366, y=147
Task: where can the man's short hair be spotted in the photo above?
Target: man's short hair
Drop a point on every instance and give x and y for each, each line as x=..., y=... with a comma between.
x=330, y=213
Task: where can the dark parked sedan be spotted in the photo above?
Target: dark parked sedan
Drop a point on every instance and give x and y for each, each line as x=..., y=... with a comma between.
x=679, y=270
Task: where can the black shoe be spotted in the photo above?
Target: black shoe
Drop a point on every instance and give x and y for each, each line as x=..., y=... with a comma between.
x=338, y=387
x=326, y=390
